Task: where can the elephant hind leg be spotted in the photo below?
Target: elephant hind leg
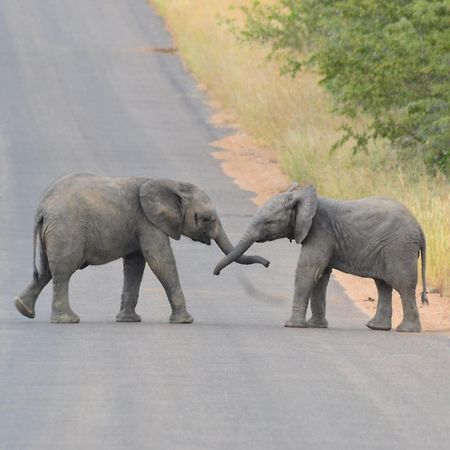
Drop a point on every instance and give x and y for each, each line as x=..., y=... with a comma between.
x=65, y=257
x=26, y=300
x=404, y=280
x=383, y=316
x=61, y=310
x=411, y=319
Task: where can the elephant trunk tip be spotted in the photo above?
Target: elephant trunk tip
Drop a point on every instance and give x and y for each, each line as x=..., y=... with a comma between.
x=260, y=260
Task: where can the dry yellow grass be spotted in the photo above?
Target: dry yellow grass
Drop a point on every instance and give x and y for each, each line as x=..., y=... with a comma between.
x=294, y=117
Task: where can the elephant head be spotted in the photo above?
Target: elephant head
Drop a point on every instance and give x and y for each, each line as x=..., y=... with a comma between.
x=288, y=214
x=184, y=209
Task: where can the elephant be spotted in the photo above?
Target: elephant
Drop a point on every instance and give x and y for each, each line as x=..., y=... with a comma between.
x=372, y=237
x=84, y=219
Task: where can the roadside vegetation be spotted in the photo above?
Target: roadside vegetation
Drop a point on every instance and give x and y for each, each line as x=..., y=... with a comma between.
x=302, y=116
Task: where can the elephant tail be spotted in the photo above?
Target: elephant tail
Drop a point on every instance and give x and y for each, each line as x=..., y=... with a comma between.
x=423, y=255
x=36, y=229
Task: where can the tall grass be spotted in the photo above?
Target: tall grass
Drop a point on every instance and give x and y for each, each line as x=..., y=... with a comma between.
x=294, y=117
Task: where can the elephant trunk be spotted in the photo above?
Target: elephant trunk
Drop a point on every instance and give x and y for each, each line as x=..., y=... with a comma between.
x=235, y=255
x=225, y=245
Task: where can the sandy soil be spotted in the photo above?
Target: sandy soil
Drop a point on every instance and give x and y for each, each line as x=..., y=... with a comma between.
x=258, y=169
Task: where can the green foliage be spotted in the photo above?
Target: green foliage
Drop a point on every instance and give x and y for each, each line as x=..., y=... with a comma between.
x=387, y=60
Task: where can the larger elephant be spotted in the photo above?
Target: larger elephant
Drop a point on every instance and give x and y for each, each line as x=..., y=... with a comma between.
x=85, y=220
x=372, y=237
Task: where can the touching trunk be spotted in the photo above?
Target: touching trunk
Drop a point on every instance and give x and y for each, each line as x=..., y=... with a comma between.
x=235, y=255
x=225, y=245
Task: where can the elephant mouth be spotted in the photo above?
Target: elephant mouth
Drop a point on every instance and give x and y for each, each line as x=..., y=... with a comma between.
x=266, y=238
x=203, y=239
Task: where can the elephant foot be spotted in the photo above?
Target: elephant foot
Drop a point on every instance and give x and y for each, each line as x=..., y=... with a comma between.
x=381, y=325
x=409, y=326
x=317, y=323
x=295, y=322
x=66, y=317
x=181, y=317
x=24, y=309
x=125, y=316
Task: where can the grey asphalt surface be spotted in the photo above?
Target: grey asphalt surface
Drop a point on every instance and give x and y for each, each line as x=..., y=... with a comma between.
x=79, y=92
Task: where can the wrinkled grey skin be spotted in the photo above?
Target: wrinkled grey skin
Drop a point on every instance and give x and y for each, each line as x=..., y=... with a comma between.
x=372, y=237
x=85, y=220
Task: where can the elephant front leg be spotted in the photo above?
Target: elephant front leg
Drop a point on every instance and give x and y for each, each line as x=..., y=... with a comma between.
x=311, y=278
x=304, y=284
x=133, y=270
x=159, y=256
x=383, y=315
x=318, y=302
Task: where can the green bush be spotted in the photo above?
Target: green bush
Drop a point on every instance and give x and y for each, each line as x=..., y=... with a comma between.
x=386, y=60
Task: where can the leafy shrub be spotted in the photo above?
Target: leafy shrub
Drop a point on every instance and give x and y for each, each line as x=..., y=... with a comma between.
x=386, y=60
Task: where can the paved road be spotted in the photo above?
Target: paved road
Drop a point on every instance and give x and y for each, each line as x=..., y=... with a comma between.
x=79, y=93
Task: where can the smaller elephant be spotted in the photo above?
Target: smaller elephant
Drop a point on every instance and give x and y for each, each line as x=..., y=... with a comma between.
x=85, y=220
x=372, y=237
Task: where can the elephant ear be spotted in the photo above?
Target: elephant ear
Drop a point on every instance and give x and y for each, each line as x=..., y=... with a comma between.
x=163, y=206
x=304, y=204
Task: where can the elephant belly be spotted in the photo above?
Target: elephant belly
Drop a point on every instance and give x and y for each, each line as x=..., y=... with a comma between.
x=96, y=255
x=362, y=267
x=97, y=260
x=107, y=238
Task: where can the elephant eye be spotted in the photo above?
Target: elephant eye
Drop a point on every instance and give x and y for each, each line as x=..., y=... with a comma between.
x=203, y=219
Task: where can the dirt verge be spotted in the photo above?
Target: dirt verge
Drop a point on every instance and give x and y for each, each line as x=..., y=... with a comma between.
x=258, y=169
